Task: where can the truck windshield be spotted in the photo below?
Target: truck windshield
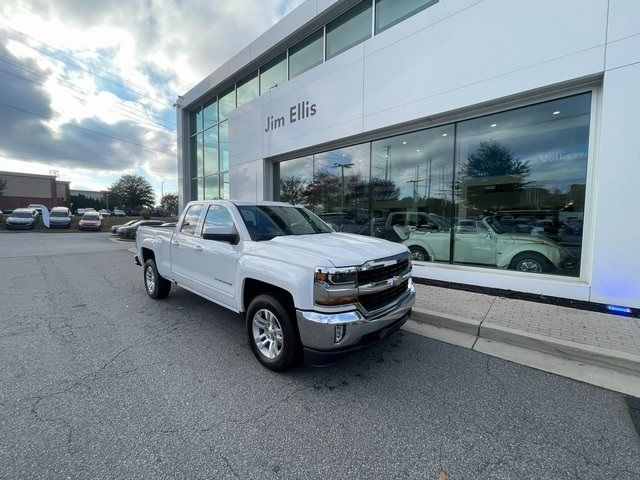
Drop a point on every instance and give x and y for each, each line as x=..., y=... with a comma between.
x=265, y=222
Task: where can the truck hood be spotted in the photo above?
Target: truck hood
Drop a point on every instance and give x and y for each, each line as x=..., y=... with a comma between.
x=337, y=249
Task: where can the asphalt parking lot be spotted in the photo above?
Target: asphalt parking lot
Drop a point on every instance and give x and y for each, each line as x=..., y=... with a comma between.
x=99, y=381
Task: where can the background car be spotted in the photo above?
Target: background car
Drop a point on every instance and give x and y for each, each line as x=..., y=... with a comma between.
x=119, y=213
x=90, y=221
x=104, y=212
x=37, y=208
x=130, y=230
x=21, y=219
x=60, y=217
x=114, y=229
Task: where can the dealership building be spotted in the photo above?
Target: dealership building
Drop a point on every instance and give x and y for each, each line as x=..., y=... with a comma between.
x=498, y=140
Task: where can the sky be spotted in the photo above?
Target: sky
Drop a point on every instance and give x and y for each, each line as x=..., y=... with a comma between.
x=87, y=88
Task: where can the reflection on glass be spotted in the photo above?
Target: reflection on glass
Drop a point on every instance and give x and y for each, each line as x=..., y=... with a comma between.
x=412, y=182
x=210, y=113
x=292, y=180
x=340, y=188
x=224, y=185
x=522, y=173
x=226, y=102
x=211, y=151
x=390, y=12
x=273, y=73
x=224, y=146
x=306, y=54
x=197, y=189
x=349, y=29
x=211, y=189
x=195, y=121
x=196, y=162
x=248, y=88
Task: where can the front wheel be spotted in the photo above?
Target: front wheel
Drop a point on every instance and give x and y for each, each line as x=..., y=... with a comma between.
x=531, y=262
x=419, y=254
x=156, y=286
x=271, y=332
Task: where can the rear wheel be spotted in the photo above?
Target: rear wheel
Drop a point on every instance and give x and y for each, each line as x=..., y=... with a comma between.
x=156, y=286
x=531, y=262
x=271, y=332
x=419, y=254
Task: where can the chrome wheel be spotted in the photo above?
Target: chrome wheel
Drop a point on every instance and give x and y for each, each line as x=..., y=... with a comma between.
x=150, y=279
x=267, y=333
x=419, y=255
x=529, y=265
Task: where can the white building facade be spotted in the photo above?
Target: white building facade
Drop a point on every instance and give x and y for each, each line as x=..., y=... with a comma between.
x=497, y=139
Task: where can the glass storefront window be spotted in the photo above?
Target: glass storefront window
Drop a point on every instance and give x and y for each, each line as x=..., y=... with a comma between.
x=521, y=175
x=306, y=54
x=226, y=102
x=210, y=113
x=195, y=121
x=211, y=151
x=224, y=185
x=248, y=88
x=349, y=29
x=197, y=163
x=224, y=146
x=211, y=188
x=412, y=184
x=197, y=189
x=273, y=73
x=340, y=188
x=292, y=180
x=391, y=12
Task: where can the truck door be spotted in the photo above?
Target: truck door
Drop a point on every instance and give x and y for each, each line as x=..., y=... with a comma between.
x=216, y=262
x=183, y=247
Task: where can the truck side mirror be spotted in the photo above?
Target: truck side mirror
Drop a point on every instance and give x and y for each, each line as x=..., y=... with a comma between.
x=221, y=233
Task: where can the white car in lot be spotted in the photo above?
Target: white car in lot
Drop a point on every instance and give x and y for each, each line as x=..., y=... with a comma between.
x=60, y=217
x=483, y=242
x=301, y=286
x=21, y=219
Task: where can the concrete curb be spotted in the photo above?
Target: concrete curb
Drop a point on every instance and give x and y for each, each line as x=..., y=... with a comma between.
x=622, y=362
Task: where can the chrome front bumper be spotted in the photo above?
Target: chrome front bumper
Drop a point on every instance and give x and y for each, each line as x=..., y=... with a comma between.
x=317, y=329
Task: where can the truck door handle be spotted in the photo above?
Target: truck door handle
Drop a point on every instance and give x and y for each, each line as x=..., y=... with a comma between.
x=197, y=248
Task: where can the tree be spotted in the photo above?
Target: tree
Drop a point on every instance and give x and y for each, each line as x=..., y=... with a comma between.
x=292, y=189
x=3, y=186
x=132, y=192
x=170, y=203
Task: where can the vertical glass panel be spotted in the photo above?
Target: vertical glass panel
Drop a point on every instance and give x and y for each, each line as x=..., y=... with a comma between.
x=211, y=151
x=224, y=146
x=211, y=188
x=248, y=88
x=349, y=29
x=210, y=113
x=521, y=187
x=224, y=186
x=197, y=165
x=195, y=121
x=226, y=102
x=390, y=12
x=340, y=188
x=306, y=54
x=273, y=73
x=292, y=181
x=412, y=184
x=197, y=189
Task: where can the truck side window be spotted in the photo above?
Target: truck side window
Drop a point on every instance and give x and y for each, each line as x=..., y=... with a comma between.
x=191, y=220
x=218, y=216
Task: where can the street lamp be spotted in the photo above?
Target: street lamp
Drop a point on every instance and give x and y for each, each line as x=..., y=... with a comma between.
x=342, y=166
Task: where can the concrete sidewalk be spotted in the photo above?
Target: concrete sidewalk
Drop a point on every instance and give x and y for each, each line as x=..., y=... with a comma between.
x=596, y=348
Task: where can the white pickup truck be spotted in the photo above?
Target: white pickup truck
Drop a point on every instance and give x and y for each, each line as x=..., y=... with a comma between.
x=301, y=287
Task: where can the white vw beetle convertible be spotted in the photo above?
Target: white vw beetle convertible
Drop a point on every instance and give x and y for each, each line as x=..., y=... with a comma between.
x=484, y=242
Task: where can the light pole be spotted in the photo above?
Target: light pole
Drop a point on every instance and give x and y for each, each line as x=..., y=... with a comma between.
x=161, y=192
x=342, y=166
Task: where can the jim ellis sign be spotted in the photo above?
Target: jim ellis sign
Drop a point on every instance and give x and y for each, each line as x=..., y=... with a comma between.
x=298, y=112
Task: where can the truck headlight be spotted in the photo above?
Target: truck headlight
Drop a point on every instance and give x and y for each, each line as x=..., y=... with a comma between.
x=335, y=286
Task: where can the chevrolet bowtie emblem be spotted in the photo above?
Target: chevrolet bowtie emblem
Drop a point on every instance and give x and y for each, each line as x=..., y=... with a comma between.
x=397, y=281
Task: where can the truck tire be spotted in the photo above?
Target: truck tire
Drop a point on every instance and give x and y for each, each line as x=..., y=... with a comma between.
x=533, y=262
x=272, y=334
x=156, y=286
x=419, y=254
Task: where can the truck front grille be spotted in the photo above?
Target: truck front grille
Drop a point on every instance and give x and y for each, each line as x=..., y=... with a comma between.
x=382, y=273
x=375, y=301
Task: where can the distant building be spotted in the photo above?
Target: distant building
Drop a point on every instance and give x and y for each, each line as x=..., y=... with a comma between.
x=24, y=188
x=100, y=196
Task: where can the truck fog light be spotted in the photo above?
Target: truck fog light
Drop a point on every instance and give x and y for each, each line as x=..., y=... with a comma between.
x=339, y=331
